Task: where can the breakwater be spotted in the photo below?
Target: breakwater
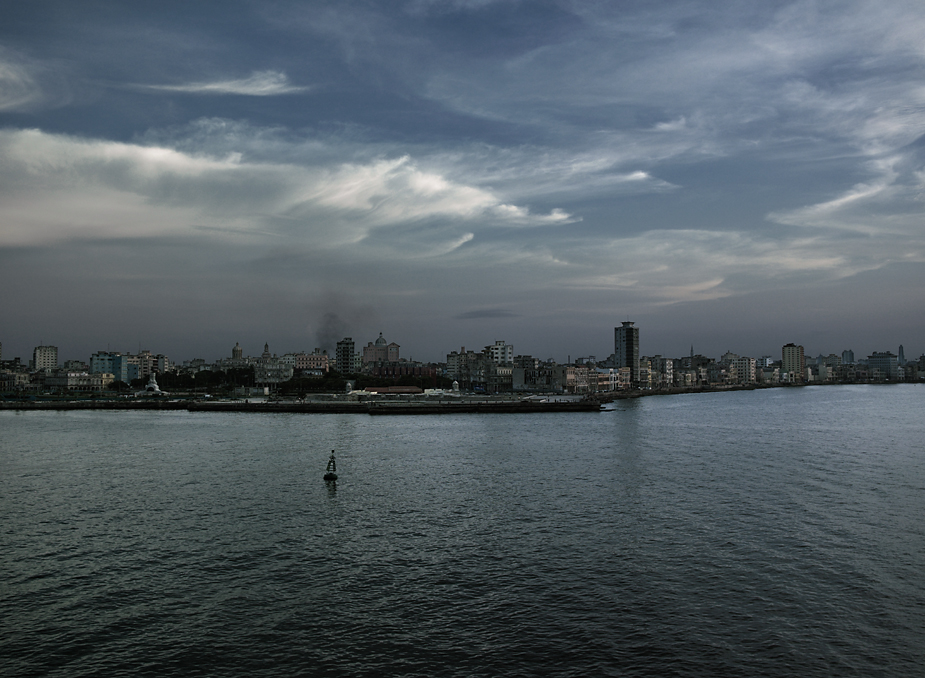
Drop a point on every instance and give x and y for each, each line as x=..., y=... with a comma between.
x=611, y=396
x=505, y=406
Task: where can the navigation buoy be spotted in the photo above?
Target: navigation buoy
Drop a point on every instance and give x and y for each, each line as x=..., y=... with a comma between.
x=331, y=470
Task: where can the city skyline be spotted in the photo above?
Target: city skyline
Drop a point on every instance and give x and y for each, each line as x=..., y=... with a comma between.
x=730, y=176
x=359, y=347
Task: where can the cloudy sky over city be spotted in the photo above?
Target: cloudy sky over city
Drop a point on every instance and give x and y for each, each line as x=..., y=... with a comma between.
x=181, y=176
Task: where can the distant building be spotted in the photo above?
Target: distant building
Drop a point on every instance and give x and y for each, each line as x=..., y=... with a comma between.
x=793, y=363
x=847, y=357
x=528, y=374
x=316, y=363
x=832, y=361
x=343, y=356
x=270, y=369
x=101, y=362
x=883, y=366
x=237, y=353
x=468, y=368
x=13, y=381
x=606, y=379
x=745, y=370
x=126, y=367
x=45, y=358
x=626, y=348
x=65, y=380
x=500, y=353
x=661, y=371
x=768, y=375
x=562, y=378
x=381, y=351
x=149, y=364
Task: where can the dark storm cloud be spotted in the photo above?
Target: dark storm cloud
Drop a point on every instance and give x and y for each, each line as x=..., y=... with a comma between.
x=335, y=165
x=487, y=313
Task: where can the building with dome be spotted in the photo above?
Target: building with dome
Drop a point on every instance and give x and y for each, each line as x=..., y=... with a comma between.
x=270, y=370
x=380, y=351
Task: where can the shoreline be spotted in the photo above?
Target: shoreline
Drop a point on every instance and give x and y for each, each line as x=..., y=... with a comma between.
x=332, y=404
x=480, y=406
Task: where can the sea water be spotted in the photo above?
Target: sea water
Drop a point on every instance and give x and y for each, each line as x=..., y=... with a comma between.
x=767, y=533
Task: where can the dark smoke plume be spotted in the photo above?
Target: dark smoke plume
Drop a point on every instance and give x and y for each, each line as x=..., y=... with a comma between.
x=332, y=330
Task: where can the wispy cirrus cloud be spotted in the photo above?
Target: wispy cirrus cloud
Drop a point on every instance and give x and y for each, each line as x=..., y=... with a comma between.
x=258, y=84
x=888, y=204
x=18, y=90
x=56, y=187
x=28, y=85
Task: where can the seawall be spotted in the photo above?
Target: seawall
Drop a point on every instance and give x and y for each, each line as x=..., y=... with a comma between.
x=316, y=407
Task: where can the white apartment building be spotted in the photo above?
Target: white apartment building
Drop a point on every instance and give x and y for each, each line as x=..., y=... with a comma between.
x=745, y=370
x=500, y=353
x=45, y=358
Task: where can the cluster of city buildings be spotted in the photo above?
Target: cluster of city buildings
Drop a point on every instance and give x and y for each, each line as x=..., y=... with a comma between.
x=496, y=369
x=493, y=369
x=44, y=373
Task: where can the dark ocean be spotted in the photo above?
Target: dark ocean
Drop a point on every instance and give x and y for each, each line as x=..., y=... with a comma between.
x=767, y=533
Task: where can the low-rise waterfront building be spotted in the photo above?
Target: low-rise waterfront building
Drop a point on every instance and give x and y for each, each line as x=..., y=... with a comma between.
x=11, y=381
x=768, y=374
x=64, y=380
x=884, y=366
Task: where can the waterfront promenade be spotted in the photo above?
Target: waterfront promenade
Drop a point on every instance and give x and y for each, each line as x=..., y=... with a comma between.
x=482, y=405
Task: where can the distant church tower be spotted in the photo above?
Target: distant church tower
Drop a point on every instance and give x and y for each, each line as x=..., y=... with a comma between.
x=237, y=353
x=266, y=351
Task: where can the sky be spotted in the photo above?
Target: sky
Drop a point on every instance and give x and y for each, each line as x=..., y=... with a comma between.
x=729, y=175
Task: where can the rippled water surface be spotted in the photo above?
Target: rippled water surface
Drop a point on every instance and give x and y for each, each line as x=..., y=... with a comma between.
x=757, y=533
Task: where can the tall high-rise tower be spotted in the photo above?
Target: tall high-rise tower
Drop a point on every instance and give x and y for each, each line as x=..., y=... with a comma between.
x=626, y=348
x=343, y=357
x=793, y=363
x=901, y=358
